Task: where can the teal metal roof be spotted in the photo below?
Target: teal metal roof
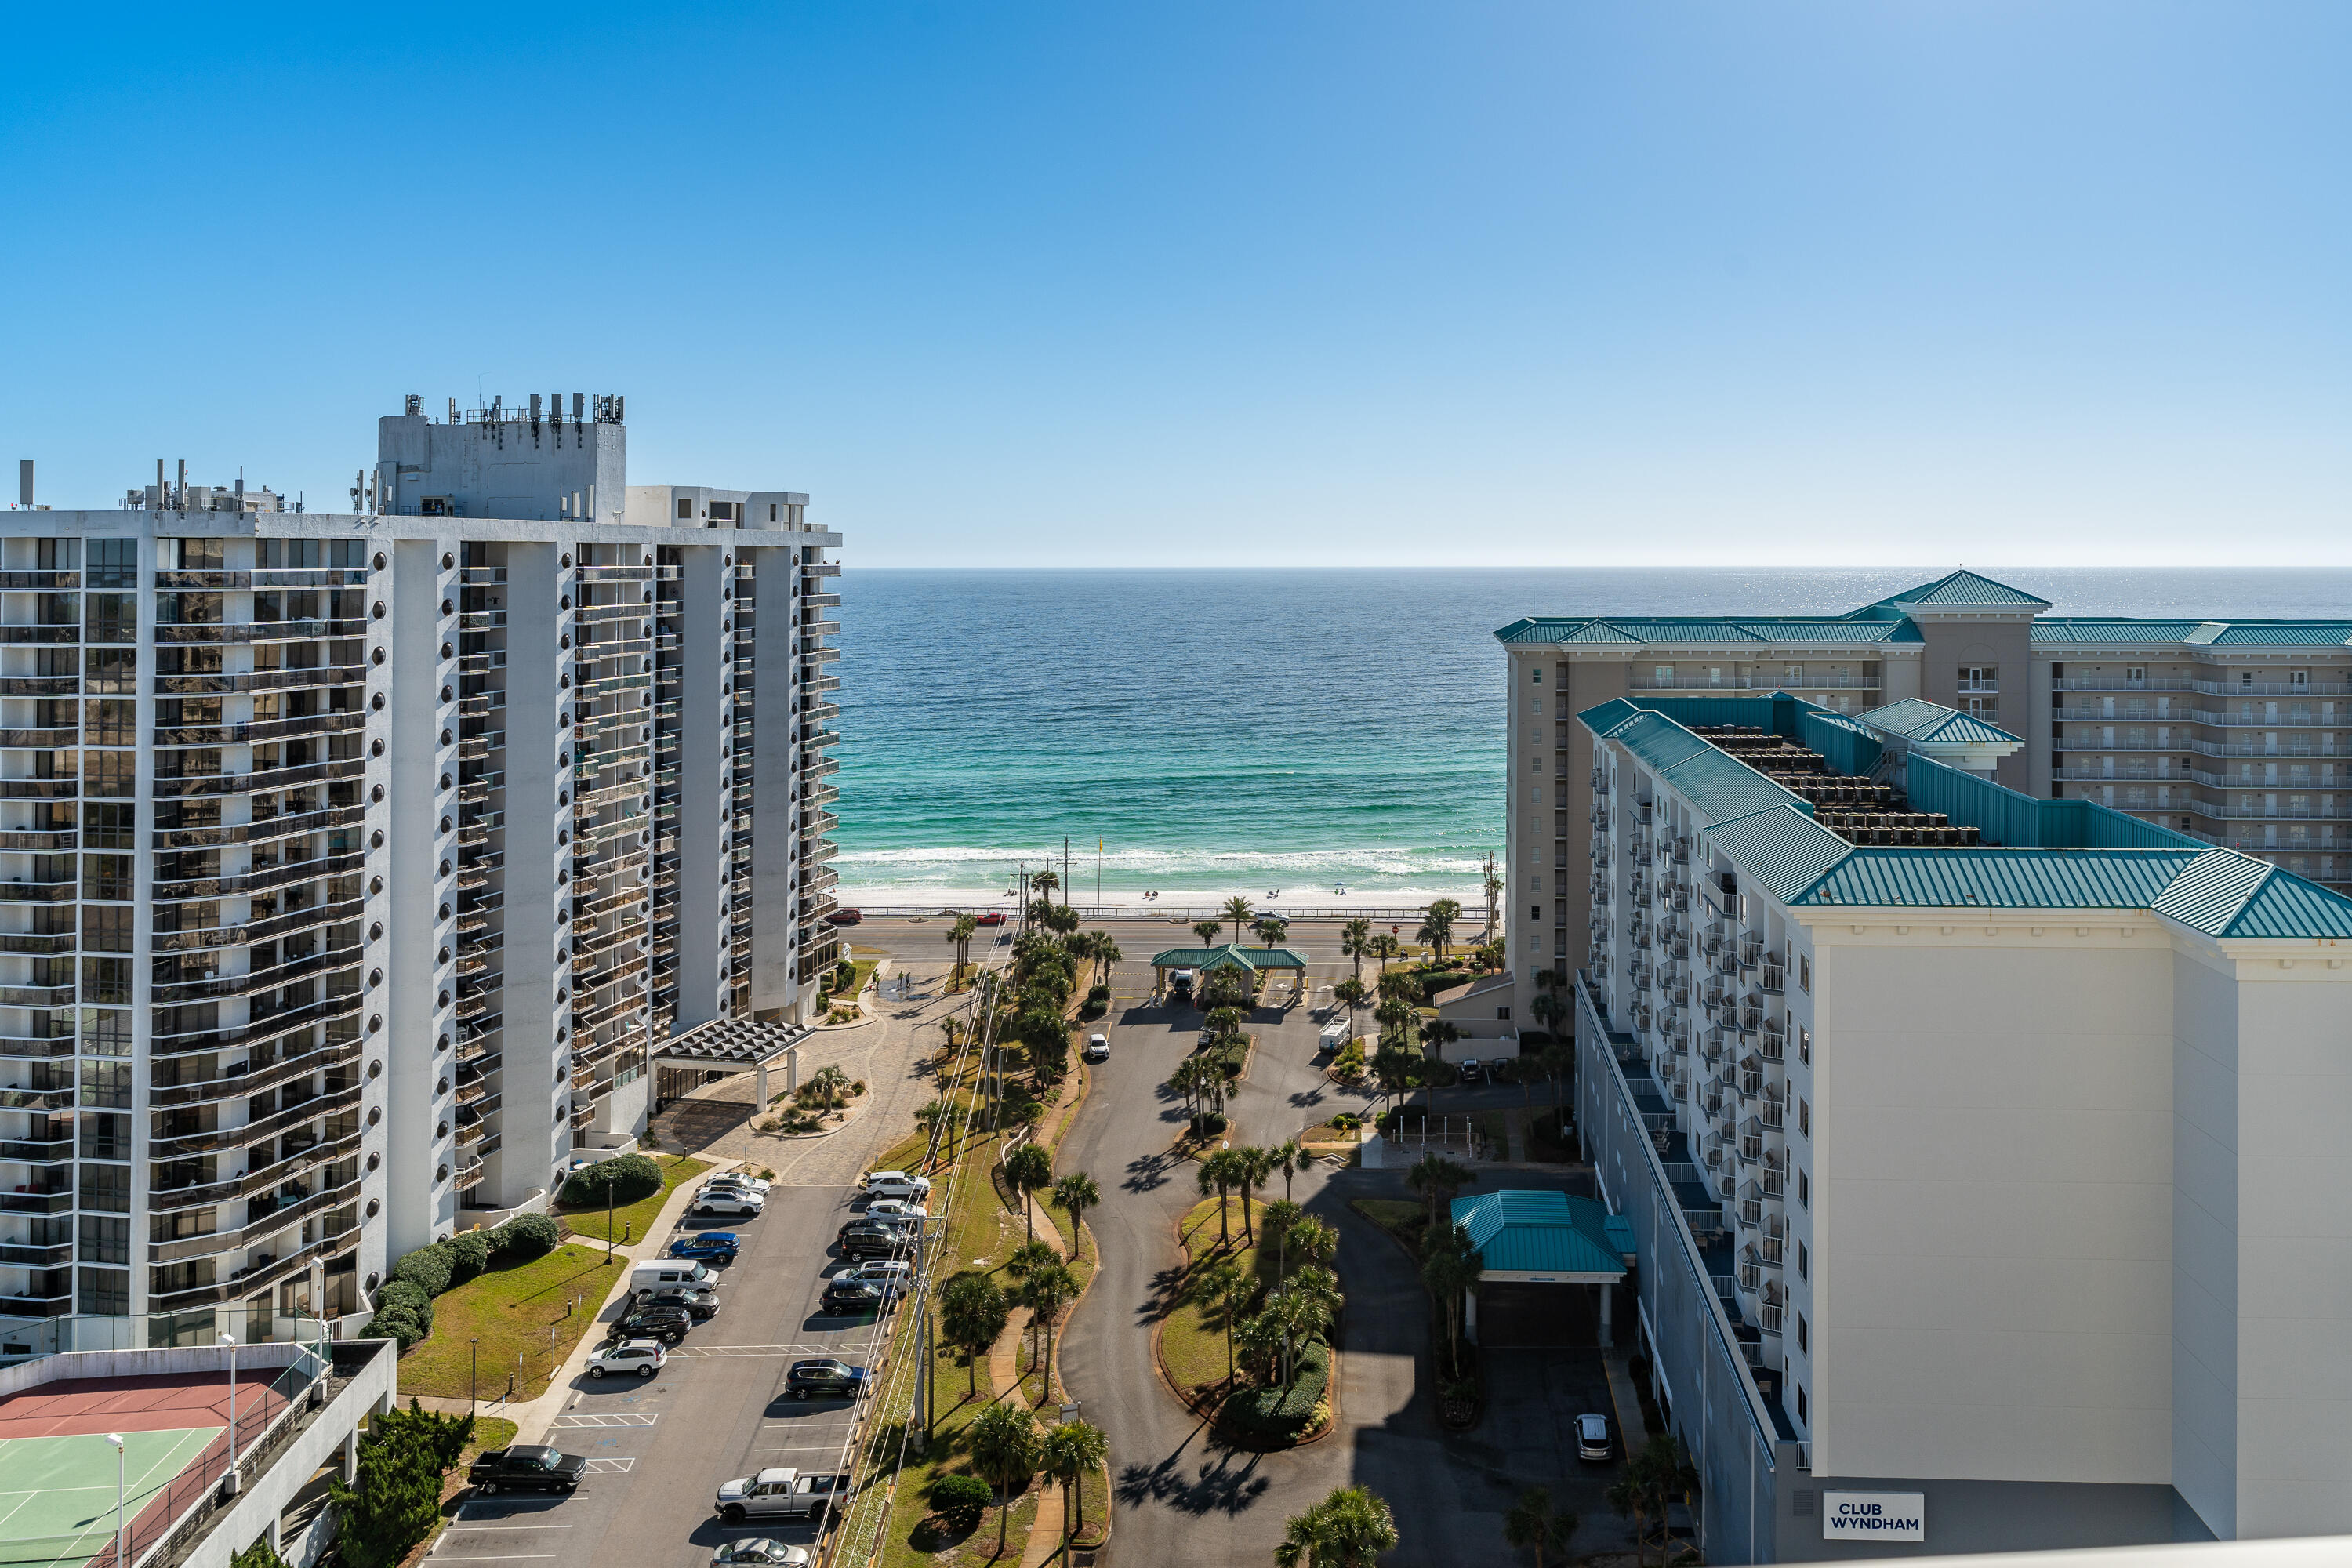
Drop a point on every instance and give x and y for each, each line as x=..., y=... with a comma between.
x=2066, y=631
x=1781, y=851
x=1749, y=631
x=1519, y=1231
x=2001, y=879
x=1962, y=589
x=1718, y=784
x=2226, y=894
x=1229, y=956
x=1915, y=719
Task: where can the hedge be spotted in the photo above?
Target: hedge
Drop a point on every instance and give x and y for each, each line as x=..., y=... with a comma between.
x=625, y=1177
x=393, y=1323
x=1278, y=1412
x=528, y=1236
x=403, y=1295
x=469, y=1253
x=960, y=1498
x=427, y=1269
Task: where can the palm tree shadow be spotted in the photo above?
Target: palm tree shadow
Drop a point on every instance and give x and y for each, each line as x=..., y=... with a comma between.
x=1148, y=1173
x=1218, y=1486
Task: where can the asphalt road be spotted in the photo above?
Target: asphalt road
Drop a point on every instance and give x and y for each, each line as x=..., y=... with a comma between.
x=658, y=1448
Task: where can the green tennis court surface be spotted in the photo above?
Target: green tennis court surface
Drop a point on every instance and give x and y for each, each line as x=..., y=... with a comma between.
x=57, y=1494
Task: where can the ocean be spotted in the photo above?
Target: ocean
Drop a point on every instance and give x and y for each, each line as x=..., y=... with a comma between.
x=1279, y=732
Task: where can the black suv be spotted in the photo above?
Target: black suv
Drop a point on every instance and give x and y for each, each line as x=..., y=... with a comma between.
x=649, y=1322
x=844, y=1296
x=808, y=1378
x=866, y=1239
x=700, y=1302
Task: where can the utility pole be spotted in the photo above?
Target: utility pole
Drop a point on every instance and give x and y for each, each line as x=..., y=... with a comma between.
x=1493, y=888
x=1065, y=870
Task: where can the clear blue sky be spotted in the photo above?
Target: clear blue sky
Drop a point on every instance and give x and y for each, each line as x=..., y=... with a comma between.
x=1296, y=281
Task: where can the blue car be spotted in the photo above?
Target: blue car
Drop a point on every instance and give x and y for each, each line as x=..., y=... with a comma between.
x=722, y=1245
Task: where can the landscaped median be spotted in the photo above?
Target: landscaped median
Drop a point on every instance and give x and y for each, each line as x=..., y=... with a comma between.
x=1247, y=1335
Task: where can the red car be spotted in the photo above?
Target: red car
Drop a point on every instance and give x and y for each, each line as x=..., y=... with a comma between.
x=993, y=917
x=844, y=918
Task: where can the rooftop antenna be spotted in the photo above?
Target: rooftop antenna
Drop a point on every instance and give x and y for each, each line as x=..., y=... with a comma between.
x=163, y=496
x=24, y=484
x=180, y=493
x=240, y=489
x=453, y=411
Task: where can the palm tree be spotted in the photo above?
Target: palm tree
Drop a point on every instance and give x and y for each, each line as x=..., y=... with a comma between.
x=1030, y=1256
x=1451, y=1270
x=1393, y=1071
x=1221, y=1172
x=1106, y=953
x=1436, y=1178
x=934, y=1118
x=1074, y=1195
x=1350, y=1529
x=1191, y=1079
x=1533, y=1522
x=1383, y=947
x=1028, y=1169
x=1315, y=1241
x=972, y=1313
x=1280, y=1214
x=1045, y=1292
x=1208, y=931
x=1260, y=1337
x=1270, y=930
x=966, y=927
x=1395, y=1016
x=1225, y=1292
x=1238, y=910
x=1256, y=1170
x=1073, y=1451
x=1350, y=994
x=1045, y=882
x=1437, y=926
x=1290, y=1159
x=1004, y=1443
x=1558, y=1061
x=1355, y=943
x=830, y=1084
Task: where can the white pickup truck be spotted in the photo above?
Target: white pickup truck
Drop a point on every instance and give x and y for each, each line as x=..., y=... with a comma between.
x=781, y=1494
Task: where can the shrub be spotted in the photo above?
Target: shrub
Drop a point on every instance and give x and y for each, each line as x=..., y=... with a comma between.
x=1212, y=1124
x=468, y=1252
x=1275, y=1411
x=406, y=1295
x=626, y=1177
x=393, y=1323
x=529, y=1236
x=959, y=1499
x=427, y=1269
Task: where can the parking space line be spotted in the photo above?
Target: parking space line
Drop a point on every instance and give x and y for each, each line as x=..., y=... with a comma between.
x=620, y=1467
x=606, y=1420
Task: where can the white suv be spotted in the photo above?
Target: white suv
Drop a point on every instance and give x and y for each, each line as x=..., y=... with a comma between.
x=895, y=1184
x=728, y=1201
x=641, y=1357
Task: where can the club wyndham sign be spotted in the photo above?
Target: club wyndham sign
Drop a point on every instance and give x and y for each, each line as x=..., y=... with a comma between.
x=1873, y=1516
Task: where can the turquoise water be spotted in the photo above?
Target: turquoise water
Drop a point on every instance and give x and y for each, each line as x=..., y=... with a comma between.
x=1226, y=732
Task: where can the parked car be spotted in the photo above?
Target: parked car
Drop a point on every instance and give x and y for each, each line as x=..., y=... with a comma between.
x=993, y=917
x=1097, y=1049
x=718, y=1244
x=1181, y=980
x=779, y=1494
x=669, y=1324
x=824, y=1375
x=1473, y=1072
x=845, y=1296
x=895, y=1184
x=844, y=918
x=864, y=1239
x=898, y=1224
x=740, y=1179
x=623, y=1358
x=906, y=1210
x=526, y=1467
x=763, y=1552
x=738, y=1202
x=891, y=1273
x=1333, y=1039
x=701, y=1301
x=1595, y=1440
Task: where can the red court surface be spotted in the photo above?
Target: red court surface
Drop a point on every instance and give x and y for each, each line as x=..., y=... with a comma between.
x=72, y=1407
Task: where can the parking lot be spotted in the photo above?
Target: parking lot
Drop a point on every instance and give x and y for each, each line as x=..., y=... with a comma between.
x=659, y=1448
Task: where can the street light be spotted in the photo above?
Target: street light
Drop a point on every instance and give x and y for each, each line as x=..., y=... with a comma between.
x=230, y=1341
x=474, y=1387
x=116, y=1438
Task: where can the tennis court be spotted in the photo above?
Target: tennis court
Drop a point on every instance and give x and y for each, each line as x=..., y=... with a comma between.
x=58, y=1471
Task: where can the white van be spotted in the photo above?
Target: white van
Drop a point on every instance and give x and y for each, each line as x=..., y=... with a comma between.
x=647, y=1278
x=1334, y=1038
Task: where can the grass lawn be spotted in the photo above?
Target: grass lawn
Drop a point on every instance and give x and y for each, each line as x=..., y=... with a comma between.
x=630, y=1223
x=490, y=1433
x=1191, y=1347
x=528, y=1317
x=1403, y=1220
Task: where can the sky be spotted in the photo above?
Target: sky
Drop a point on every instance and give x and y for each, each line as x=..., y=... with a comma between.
x=1289, y=282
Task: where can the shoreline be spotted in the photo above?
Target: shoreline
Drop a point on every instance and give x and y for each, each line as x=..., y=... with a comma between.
x=1190, y=904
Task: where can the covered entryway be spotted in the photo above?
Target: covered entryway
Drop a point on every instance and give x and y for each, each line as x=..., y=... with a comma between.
x=728, y=1045
x=1553, y=1262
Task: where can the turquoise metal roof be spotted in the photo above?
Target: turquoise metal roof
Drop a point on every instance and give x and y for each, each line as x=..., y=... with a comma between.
x=2063, y=631
x=2001, y=879
x=1718, y=784
x=2226, y=894
x=1519, y=1231
x=1782, y=851
x=1915, y=719
x=1962, y=589
x=1747, y=631
x=1228, y=957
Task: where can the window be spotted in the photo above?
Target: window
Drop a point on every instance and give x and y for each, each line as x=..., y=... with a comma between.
x=1804, y=1262
x=105, y=1240
x=1804, y=972
x=1804, y=1335
x=1663, y=674
x=1502, y=1014
x=113, y=563
x=105, y=1292
x=1535, y=912
x=106, y=928
x=1804, y=1118
x=106, y=979
x=1801, y=1403
x=685, y=509
x=111, y=618
x=108, y=827
x=193, y=554
x=1805, y=1044
x=106, y=877
x=106, y=1188
x=1804, y=1190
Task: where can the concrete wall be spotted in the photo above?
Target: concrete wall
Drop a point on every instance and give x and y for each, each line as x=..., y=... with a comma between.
x=1986, y=1516
x=419, y=1210
x=2204, y=1294
x=1989, y=1235
x=535, y=1091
